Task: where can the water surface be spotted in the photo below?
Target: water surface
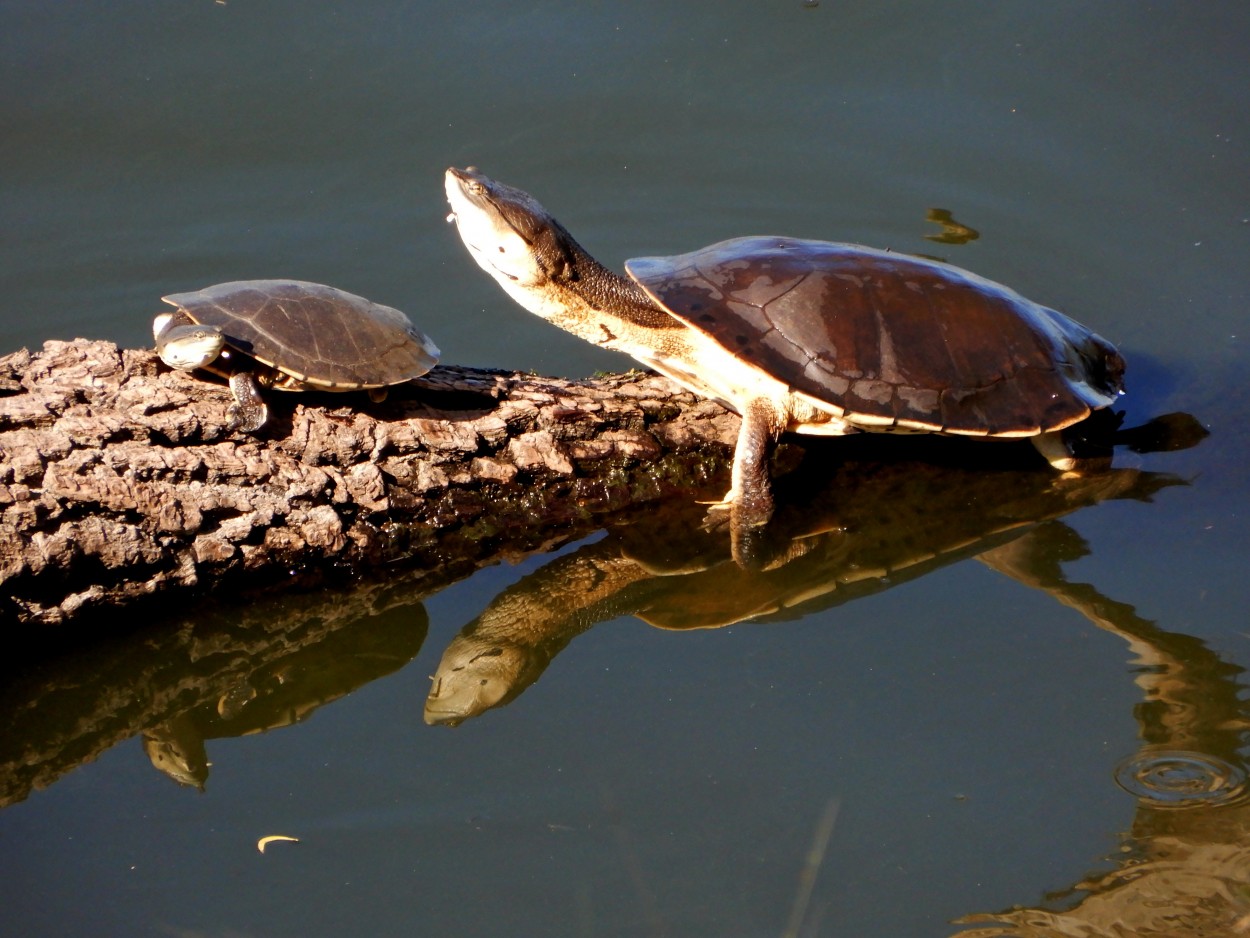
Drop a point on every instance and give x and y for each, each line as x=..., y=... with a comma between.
x=969, y=728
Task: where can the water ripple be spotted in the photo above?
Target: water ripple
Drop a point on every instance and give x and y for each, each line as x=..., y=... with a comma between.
x=1181, y=779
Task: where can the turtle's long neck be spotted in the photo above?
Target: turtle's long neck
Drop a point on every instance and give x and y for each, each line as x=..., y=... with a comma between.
x=599, y=304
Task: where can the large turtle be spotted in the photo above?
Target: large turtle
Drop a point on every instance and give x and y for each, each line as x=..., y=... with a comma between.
x=292, y=336
x=805, y=336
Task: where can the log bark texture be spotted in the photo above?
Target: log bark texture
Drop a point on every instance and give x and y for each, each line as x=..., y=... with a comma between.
x=118, y=480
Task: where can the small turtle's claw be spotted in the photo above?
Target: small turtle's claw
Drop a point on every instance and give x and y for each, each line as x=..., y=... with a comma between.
x=245, y=418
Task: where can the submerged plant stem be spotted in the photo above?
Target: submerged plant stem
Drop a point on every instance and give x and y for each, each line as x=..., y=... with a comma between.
x=811, y=867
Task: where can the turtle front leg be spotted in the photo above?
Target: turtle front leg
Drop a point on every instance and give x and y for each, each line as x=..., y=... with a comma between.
x=750, y=499
x=249, y=411
x=751, y=496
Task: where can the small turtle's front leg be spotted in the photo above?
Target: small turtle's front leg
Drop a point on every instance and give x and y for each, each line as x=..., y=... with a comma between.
x=249, y=411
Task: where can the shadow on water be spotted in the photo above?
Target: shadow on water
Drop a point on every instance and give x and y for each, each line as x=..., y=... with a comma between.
x=841, y=533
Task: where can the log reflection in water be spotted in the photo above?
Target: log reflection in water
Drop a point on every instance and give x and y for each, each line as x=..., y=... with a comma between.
x=236, y=670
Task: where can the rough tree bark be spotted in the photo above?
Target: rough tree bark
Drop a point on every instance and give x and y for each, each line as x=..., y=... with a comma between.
x=119, y=482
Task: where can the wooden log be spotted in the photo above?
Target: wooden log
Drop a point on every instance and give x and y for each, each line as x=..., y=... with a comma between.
x=119, y=482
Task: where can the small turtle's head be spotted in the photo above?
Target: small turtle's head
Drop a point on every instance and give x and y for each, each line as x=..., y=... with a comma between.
x=186, y=346
x=511, y=237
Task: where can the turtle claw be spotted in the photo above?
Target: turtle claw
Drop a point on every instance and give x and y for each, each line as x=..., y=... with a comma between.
x=717, y=518
x=720, y=514
x=745, y=519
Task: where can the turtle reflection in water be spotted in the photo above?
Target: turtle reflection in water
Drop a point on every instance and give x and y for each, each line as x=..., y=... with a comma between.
x=291, y=336
x=906, y=519
x=804, y=336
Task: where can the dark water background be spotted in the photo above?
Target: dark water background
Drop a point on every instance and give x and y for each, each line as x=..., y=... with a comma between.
x=967, y=728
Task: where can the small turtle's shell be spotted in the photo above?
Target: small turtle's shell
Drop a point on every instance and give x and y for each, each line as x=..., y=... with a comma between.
x=889, y=340
x=317, y=335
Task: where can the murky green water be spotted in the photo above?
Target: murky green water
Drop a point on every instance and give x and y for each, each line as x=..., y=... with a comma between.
x=969, y=729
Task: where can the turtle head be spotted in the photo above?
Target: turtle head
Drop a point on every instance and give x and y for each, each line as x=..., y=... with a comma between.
x=186, y=345
x=510, y=235
x=478, y=674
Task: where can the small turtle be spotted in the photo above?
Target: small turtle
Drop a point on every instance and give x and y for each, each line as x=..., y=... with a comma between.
x=291, y=336
x=804, y=336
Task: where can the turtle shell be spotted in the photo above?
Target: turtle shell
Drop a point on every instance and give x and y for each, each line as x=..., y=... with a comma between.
x=889, y=340
x=317, y=335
